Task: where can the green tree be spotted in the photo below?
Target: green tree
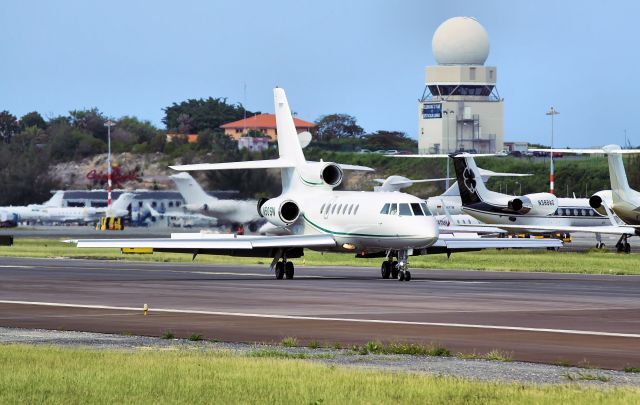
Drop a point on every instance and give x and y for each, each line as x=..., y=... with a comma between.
x=336, y=126
x=91, y=121
x=32, y=119
x=8, y=126
x=389, y=140
x=142, y=131
x=202, y=114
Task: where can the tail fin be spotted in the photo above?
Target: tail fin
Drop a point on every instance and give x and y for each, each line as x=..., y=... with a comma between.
x=122, y=202
x=469, y=180
x=618, y=177
x=288, y=143
x=55, y=200
x=191, y=191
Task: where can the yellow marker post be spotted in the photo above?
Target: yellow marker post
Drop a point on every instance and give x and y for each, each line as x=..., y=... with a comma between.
x=145, y=309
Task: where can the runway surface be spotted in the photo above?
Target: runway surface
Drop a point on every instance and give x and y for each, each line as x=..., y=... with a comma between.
x=588, y=320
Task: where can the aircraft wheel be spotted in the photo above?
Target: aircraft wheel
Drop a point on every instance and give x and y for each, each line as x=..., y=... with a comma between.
x=401, y=276
x=279, y=270
x=407, y=275
x=385, y=269
x=627, y=248
x=288, y=270
x=394, y=270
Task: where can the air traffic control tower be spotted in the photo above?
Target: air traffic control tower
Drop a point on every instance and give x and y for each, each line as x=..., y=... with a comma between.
x=460, y=108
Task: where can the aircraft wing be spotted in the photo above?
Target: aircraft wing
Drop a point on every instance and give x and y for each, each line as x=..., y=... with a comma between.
x=475, y=243
x=213, y=243
x=470, y=229
x=606, y=230
x=602, y=151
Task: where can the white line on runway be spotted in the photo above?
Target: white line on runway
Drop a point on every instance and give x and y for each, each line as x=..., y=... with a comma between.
x=11, y=266
x=318, y=318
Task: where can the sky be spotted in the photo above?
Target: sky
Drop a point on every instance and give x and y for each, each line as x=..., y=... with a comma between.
x=363, y=58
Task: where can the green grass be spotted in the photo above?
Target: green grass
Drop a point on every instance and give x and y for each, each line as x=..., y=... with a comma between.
x=376, y=347
x=586, y=377
x=495, y=355
x=195, y=337
x=167, y=335
x=590, y=262
x=631, y=369
x=289, y=342
x=37, y=374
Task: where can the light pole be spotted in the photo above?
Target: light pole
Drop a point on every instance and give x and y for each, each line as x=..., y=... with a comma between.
x=109, y=124
x=449, y=114
x=551, y=112
x=520, y=186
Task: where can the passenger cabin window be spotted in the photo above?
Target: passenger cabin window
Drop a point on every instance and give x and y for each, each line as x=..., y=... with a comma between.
x=355, y=211
x=394, y=209
x=405, y=211
x=415, y=207
x=385, y=209
x=350, y=208
x=322, y=208
x=339, y=208
x=333, y=209
x=344, y=209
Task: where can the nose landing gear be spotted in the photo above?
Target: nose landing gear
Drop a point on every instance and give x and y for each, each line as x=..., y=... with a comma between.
x=398, y=269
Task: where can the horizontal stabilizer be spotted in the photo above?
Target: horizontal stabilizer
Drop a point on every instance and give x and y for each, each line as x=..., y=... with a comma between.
x=355, y=167
x=250, y=164
x=490, y=173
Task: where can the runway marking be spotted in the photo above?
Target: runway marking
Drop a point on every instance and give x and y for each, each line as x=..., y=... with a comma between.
x=8, y=266
x=327, y=319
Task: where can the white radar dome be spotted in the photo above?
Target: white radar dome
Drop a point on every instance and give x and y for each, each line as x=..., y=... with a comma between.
x=460, y=41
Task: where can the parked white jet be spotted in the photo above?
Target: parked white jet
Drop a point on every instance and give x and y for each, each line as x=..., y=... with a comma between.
x=11, y=215
x=75, y=214
x=184, y=218
x=622, y=199
x=230, y=212
x=389, y=225
x=538, y=212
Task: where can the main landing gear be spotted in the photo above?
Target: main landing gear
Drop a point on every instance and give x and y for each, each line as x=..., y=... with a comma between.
x=284, y=269
x=397, y=266
x=623, y=244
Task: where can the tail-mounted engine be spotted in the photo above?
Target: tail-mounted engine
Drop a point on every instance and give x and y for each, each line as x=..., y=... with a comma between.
x=534, y=204
x=599, y=199
x=280, y=211
x=321, y=173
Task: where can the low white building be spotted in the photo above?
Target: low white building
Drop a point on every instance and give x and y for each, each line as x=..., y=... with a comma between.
x=254, y=144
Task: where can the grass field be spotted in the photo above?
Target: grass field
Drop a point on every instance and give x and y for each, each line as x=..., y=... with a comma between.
x=36, y=374
x=590, y=262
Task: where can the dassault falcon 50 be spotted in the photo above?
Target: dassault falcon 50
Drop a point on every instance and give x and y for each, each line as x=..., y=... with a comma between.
x=390, y=225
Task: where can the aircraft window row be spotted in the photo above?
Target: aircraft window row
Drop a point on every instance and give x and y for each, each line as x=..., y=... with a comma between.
x=404, y=209
x=576, y=212
x=339, y=209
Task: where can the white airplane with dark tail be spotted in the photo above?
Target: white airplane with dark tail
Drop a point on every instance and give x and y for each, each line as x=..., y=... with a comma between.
x=390, y=225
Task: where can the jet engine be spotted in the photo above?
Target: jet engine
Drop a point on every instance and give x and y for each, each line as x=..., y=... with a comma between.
x=316, y=173
x=280, y=211
x=598, y=200
x=534, y=204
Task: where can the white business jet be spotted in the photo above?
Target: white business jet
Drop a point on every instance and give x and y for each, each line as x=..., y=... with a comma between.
x=537, y=212
x=226, y=212
x=391, y=225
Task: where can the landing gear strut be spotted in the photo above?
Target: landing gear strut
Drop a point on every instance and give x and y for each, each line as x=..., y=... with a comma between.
x=283, y=268
x=397, y=269
x=623, y=244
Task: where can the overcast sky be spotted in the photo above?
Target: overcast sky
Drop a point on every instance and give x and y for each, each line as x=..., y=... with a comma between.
x=364, y=58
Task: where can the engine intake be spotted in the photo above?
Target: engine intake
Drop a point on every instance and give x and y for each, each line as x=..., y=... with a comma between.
x=595, y=202
x=332, y=175
x=280, y=211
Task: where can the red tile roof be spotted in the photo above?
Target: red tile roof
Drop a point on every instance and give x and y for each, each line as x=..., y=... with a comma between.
x=264, y=121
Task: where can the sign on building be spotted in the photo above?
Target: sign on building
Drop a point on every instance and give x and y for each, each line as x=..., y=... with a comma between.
x=431, y=110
